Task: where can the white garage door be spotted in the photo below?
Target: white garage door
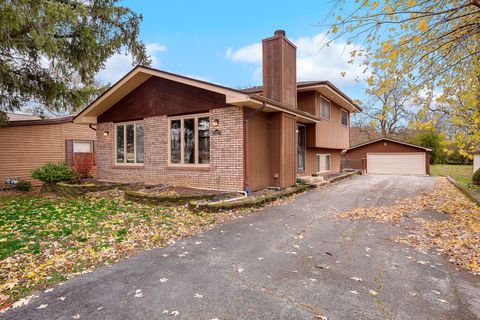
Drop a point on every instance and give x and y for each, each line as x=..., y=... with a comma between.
x=396, y=163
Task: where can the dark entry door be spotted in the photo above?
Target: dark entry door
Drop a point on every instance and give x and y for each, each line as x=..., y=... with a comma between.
x=301, y=144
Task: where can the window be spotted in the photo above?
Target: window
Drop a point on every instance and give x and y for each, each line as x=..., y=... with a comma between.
x=323, y=162
x=325, y=108
x=129, y=143
x=344, y=117
x=189, y=140
x=82, y=146
x=301, y=143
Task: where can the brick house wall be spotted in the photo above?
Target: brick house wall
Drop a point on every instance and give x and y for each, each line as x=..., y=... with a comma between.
x=226, y=170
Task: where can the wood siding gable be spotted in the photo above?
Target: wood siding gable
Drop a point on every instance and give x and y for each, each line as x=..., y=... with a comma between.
x=158, y=96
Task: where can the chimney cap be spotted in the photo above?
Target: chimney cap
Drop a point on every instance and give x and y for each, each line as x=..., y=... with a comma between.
x=279, y=33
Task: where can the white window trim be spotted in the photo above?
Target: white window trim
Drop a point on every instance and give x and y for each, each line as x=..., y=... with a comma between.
x=188, y=165
x=135, y=164
x=329, y=106
x=83, y=141
x=329, y=162
x=343, y=111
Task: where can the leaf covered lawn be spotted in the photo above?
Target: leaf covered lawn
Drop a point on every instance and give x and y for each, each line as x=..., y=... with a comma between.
x=44, y=240
x=458, y=236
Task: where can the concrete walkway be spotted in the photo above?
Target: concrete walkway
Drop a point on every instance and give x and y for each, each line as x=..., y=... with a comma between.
x=293, y=261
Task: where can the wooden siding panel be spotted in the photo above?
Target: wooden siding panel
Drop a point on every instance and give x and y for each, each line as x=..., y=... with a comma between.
x=289, y=151
x=274, y=147
x=330, y=133
x=307, y=102
x=282, y=141
x=158, y=96
x=258, y=158
x=24, y=148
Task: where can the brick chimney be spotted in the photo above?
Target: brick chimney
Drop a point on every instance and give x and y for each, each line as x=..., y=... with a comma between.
x=280, y=69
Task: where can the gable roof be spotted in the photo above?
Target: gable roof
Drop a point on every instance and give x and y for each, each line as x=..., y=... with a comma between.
x=21, y=116
x=140, y=74
x=390, y=140
x=315, y=86
x=19, y=119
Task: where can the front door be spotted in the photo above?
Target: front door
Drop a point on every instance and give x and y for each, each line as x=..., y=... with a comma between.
x=301, y=144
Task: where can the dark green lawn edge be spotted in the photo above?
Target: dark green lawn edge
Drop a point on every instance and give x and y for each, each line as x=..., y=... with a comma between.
x=472, y=195
x=248, y=202
x=68, y=189
x=156, y=199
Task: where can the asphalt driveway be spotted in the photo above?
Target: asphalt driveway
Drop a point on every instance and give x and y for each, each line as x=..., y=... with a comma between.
x=293, y=261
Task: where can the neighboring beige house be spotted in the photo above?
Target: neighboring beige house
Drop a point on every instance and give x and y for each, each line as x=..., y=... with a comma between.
x=28, y=142
x=476, y=161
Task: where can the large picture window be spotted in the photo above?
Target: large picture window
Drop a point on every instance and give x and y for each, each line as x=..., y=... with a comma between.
x=129, y=143
x=189, y=140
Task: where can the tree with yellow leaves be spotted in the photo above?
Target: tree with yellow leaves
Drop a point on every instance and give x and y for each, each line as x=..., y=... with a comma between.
x=436, y=45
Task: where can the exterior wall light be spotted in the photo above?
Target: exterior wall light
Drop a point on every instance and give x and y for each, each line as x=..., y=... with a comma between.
x=106, y=133
x=215, y=123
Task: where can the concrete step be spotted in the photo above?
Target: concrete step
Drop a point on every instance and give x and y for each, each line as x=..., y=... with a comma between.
x=312, y=179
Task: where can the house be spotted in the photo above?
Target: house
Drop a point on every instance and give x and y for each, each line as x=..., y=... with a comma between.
x=388, y=156
x=157, y=127
x=28, y=142
x=476, y=161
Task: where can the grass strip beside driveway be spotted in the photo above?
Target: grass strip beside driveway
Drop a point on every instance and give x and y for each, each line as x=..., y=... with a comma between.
x=44, y=240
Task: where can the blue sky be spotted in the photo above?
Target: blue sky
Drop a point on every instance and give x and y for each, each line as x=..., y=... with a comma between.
x=219, y=41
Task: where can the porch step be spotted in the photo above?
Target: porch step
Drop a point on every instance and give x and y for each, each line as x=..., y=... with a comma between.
x=314, y=181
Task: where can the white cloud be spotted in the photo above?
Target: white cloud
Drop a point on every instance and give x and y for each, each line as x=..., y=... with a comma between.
x=249, y=54
x=315, y=61
x=120, y=64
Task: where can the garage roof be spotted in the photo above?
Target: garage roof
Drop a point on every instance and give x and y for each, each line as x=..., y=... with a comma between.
x=391, y=140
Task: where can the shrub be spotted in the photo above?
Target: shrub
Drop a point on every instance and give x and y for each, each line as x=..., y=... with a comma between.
x=476, y=178
x=24, y=185
x=52, y=173
x=83, y=165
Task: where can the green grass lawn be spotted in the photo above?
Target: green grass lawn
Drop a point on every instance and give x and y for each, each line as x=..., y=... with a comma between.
x=461, y=173
x=46, y=239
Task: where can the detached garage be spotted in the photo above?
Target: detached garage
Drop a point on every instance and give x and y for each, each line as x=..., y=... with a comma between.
x=388, y=156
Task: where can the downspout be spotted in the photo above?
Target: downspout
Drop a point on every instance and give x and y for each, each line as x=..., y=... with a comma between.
x=91, y=127
x=246, y=176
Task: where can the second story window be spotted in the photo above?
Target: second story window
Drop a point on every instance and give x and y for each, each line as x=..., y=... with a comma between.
x=325, y=108
x=344, y=118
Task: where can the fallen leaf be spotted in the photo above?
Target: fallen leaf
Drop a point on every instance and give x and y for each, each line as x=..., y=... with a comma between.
x=138, y=293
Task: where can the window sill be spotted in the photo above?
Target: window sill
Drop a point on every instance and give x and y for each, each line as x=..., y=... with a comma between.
x=129, y=166
x=188, y=167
